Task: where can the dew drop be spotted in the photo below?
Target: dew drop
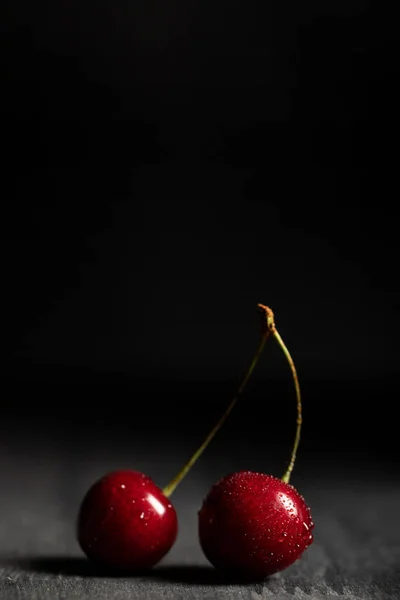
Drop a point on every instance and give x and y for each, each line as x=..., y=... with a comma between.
x=282, y=537
x=142, y=515
x=306, y=533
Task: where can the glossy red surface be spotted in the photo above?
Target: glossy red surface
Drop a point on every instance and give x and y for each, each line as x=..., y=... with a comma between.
x=125, y=522
x=254, y=525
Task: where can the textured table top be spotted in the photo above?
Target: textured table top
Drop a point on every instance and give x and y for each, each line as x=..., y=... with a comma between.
x=355, y=555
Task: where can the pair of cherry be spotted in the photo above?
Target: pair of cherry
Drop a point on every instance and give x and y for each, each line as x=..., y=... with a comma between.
x=251, y=525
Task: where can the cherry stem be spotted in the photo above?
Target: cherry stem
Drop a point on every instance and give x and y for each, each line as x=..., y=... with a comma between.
x=272, y=329
x=171, y=487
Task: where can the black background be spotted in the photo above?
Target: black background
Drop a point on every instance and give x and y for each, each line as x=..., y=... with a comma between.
x=166, y=168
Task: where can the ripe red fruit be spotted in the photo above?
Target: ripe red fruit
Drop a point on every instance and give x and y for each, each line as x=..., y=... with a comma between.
x=250, y=523
x=253, y=525
x=126, y=522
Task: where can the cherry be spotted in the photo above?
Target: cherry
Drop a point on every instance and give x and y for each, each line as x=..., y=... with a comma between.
x=253, y=525
x=126, y=522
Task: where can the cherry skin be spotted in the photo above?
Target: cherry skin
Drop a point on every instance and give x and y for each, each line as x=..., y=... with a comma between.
x=126, y=522
x=253, y=525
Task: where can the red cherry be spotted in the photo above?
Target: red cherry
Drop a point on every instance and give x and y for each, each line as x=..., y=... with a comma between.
x=251, y=523
x=254, y=525
x=126, y=522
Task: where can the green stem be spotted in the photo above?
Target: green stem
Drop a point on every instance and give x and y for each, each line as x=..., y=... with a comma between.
x=171, y=487
x=274, y=332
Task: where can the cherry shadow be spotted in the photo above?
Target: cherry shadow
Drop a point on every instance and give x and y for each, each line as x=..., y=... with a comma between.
x=198, y=575
x=61, y=565
x=81, y=567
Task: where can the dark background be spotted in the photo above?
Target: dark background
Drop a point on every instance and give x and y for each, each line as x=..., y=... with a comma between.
x=166, y=167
